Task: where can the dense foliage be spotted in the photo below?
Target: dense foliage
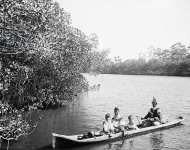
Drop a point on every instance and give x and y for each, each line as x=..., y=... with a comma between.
x=173, y=61
x=12, y=123
x=41, y=54
x=41, y=58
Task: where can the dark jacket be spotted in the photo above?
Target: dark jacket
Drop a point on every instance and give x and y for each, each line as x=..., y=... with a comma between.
x=153, y=114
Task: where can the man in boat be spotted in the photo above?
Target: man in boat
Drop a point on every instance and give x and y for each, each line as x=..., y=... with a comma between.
x=154, y=116
x=117, y=120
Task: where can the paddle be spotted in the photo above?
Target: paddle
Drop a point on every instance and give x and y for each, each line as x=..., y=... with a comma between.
x=141, y=118
x=138, y=119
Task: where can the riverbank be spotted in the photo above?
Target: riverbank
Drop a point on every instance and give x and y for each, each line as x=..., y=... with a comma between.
x=141, y=74
x=41, y=57
x=16, y=123
x=172, y=61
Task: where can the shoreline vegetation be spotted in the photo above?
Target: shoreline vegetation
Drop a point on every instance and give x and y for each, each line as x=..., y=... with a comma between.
x=42, y=58
x=174, y=61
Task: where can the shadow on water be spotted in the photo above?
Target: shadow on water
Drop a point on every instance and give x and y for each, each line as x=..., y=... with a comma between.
x=47, y=147
x=116, y=145
x=156, y=140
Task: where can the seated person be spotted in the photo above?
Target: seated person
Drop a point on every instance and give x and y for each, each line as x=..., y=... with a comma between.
x=117, y=120
x=154, y=116
x=107, y=124
x=108, y=128
x=131, y=124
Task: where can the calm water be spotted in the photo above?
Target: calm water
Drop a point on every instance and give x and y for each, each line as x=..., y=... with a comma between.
x=133, y=95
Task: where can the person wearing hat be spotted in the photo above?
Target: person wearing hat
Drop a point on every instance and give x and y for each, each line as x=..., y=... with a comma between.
x=153, y=117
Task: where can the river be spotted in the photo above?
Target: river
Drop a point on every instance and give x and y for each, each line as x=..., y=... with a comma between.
x=133, y=95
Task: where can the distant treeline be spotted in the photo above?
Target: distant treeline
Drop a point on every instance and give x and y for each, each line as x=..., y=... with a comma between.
x=174, y=61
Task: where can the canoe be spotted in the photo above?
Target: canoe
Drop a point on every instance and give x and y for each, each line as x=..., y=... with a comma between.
x=59, y=140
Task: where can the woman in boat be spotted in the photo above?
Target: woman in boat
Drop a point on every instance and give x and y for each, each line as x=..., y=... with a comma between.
x=107, y=124
x=117, y=120
x=154, y=116
x=131, y=125
x=108, y=128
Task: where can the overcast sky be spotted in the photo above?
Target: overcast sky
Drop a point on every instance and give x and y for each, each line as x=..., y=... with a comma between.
x=127, y=27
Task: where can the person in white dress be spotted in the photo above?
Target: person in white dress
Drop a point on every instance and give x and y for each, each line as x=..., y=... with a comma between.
x=108, y=126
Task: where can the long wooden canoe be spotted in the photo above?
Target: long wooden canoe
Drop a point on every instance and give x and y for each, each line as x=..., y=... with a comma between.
x=72, y=140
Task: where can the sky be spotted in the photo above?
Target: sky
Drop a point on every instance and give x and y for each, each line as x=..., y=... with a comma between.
x=130, y=27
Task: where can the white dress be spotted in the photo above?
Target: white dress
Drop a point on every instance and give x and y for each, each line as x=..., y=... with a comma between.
x=132, y=126
x=108, y=126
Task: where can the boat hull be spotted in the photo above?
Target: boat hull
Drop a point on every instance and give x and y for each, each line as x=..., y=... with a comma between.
x=59, y=140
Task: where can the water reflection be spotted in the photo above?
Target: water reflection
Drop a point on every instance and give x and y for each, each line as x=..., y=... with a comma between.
x=120, y=145
x=157, y=141
x=117, y=145
x=131, y=145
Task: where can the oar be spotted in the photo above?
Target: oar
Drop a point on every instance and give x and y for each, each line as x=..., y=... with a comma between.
x=124, y=133
x=141, y=118
x=138, y=119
